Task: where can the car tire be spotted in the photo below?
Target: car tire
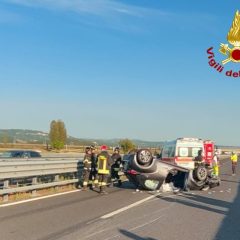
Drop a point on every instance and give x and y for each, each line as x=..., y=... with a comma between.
x=144, y=157
x=142, y=162
x=194, y=183
x=201, y=173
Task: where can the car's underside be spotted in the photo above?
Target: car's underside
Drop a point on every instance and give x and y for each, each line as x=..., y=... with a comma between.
x=151, y=173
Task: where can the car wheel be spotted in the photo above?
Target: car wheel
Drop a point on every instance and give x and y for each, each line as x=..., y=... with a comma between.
x=194, y=183
x=144, y=157
x=201, y=173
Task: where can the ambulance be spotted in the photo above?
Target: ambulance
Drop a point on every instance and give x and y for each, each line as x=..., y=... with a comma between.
x=182, y=151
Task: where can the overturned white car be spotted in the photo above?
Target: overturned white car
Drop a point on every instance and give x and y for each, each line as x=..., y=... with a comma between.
x=150, y=173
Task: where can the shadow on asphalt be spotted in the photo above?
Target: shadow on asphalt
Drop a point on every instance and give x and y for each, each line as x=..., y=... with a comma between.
x=200, y=202
x=125, y=185
x=226, y=174
x=224, y=180
x=134, y=236
x=229, y=228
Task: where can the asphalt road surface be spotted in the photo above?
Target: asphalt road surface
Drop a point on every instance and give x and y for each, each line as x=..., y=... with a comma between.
x=127, y=214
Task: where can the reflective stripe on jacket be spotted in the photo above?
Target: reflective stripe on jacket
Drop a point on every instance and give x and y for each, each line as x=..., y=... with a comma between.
x=87, y=162
x=104, y=163
x=215, y=160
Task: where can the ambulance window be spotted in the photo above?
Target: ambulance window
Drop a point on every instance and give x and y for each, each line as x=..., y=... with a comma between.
x=168, y=151
x=171, y=151
x=165, y=152
x=183, y=152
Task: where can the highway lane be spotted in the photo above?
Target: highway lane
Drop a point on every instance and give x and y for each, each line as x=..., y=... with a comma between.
x=195, y=215
x=59, y=216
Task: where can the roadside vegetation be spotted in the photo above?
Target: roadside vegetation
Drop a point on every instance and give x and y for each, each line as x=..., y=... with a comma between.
x=126, y=145
x=57, y=134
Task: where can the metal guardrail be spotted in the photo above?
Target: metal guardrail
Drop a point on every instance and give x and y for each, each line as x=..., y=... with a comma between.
x=24, y=175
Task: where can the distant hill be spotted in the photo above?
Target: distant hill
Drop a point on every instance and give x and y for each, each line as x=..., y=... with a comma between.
x=34, y=136
x=40, y=137
x=22, y=136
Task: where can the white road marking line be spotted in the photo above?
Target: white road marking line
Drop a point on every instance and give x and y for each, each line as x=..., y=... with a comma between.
x=128, y=207
x=136, y=228
x=147, y=223
x=119, y=225
x=36, y=199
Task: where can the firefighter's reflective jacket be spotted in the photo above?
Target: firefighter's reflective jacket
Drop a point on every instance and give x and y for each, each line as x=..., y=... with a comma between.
x=234, y=157
x=104, y=163
x=87, y=162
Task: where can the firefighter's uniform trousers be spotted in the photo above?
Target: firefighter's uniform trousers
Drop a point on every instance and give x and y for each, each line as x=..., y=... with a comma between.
x=93, y=178
x=216, y=170
x=87, y=162
x=86, y=177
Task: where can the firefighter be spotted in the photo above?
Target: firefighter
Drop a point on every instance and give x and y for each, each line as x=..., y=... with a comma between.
x=199, y=158
x=87, y=164
x=104, y=163
x=93, y=174
x=117, y=161
x=215, y=164
x=234, y=159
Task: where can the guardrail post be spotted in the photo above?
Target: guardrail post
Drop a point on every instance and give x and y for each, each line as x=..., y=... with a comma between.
x=34, y=182
x=5, y=186
x=56, y=179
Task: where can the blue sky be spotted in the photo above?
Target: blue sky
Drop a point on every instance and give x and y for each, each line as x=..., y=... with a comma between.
x=116, y=69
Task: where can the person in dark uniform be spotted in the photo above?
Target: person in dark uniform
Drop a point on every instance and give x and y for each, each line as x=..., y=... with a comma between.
x=197, y=160
x=87, y=166
x=93, y=174
x=115, y=168
x=104, y=163
x=199, y=157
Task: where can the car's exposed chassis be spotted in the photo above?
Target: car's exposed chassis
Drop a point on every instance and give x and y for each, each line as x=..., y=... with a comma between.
x=150, y=173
